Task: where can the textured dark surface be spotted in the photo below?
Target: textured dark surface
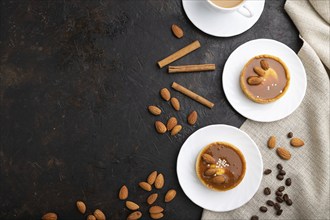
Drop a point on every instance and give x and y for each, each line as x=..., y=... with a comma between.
x=75, y=80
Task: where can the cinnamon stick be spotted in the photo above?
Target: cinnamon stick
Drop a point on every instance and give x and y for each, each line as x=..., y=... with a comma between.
x=192, y=95
x=180, y=53
x=191, y=68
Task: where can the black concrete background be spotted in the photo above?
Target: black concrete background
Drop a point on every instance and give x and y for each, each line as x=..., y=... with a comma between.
x=76, y=78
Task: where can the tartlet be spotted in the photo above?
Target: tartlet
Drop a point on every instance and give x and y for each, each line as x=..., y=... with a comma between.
x=265, y=78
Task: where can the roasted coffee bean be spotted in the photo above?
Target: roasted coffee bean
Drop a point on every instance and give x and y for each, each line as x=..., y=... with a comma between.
x=282, y=172
x=254, y=217
x=281, y=188
x=270, y=203
x=267, y=191
x=290, y=134
x=288, y=182
x=279, y=166
x=263, y=209
x=289, y=202
x=279, y=212
x=278, y=193
x=280, y=177
x=277, y=206
x=279, y=199
x=285, y=197
x=267, y=171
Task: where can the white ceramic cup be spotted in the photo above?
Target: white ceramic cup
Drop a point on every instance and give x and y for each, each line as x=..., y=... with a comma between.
x=241, y=9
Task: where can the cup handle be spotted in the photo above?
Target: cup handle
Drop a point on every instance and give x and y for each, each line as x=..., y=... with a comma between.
x=245, y=11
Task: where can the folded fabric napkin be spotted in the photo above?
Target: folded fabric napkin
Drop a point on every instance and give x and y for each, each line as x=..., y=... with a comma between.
x=309, y=165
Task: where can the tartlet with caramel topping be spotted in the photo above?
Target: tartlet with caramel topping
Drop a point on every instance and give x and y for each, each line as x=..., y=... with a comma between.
x=265, y=78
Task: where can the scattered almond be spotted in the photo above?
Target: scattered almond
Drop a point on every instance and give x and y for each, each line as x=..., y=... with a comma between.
x=210, y=172
x=271, y=142
x=258, y=70
x=219, y=179
x=170, y=195
x=49, y=216
x=81, y=207
x=91, y=217
x=283, y=153
x=160, y=127
x=156, y=215
x=134, y=215
x=154, y=110
x=171, y=123
x=176, y=130
x=159, y=182
x=297, y=142
x=155, y=209
x=175, y=103
x=177, y=31
x=165, y=94
x=254, y=80
x=152, y=198
x=152, y=177
x=146, y=186
x=132, y=205
x=208, y=159
x=123, y=192
x=192, y=118
x=99, y=215
x=264, y=64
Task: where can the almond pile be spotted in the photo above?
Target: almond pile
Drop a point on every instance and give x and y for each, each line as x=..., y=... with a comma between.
x=155, y=211
x=260, y=71
x=283, y=152
x=172, y=125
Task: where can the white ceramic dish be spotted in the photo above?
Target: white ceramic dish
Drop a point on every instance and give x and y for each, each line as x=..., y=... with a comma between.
x=200, y=194
x=220, y=24
x=264, y=112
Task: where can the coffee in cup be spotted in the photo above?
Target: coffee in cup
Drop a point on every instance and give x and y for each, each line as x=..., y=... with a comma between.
x=227, y=3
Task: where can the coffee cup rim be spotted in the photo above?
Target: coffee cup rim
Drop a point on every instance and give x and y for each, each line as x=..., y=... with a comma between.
x=226, y=9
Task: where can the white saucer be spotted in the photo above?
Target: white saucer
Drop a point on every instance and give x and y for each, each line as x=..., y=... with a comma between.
x=218, y=24
x=200, y=194
x=264, y=112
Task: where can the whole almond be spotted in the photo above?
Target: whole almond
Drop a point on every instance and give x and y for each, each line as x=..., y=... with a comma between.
x=155, y=209
x=160, y=127
x=81, y=207
x=208, y=158
x=99, y=215
x=152, y=198
x=154, y=110
x=132, y=205
x=156, y=215
x=218, y=179
x=254, y=80
x=49, y=216
x=170, y=195
x=152, y=177
x=175, y=103
x=210, y=172
x=134, y=215
x=192, y=118
x=271, y=143
x=176, y=130
x=264, y=64
x=91, y=217
x=146, y=186
x=171, y=123
x=297, y=142
x=159, y=182
x=283, y=153
x=177, y=31
x=165, y=94
x=258, y=70
x=123, y=192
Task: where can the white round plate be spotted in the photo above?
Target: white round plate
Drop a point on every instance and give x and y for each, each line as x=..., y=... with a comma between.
x=264, y=112
x=200, y=194
x=219, y=24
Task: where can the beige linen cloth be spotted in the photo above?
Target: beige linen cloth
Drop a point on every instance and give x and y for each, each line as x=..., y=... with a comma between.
x=309, y=165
